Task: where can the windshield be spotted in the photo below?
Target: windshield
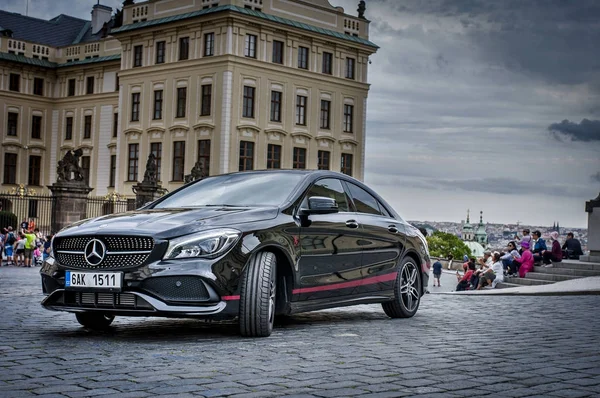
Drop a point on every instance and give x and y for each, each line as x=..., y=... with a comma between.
x=243, y=189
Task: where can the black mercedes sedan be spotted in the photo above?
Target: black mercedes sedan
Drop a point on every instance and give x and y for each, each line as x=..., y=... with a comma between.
x=249, y=245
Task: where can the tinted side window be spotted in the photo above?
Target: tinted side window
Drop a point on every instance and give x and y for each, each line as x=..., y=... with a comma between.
x=364, y=202
x=330, y=188
x=384, y=210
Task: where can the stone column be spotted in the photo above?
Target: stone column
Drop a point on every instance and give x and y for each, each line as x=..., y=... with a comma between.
x=592, y=207
x=70, y=203
x=146, y=192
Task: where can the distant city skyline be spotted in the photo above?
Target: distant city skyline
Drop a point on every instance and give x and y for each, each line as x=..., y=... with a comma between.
x=490, y=105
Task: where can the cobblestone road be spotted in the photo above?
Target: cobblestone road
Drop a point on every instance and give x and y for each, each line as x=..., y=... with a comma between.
x=454, y=346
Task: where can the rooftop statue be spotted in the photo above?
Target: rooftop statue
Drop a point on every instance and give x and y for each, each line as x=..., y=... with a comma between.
x=362, y=7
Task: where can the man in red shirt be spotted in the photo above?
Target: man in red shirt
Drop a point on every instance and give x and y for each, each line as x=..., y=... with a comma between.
x=463, y=282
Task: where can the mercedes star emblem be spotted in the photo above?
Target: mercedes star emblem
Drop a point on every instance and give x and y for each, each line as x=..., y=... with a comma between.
x=95, y=251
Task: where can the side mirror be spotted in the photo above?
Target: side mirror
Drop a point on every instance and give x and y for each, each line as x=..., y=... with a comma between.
x=320, y=205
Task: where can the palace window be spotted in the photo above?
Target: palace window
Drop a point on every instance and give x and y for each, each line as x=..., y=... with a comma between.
x=276, y=106
x=323, y=160
x=299, y=158
x=158, y=104
x=35, y=170
x=273, y=156
x=278, y=47
x=160, y=52
x=246, y=155
x=184, y=48
x=301, y=110
x=87, y=126
x=178, y=160
x=248, y=105
x=325, y=114
x=36, y=127
x=181, y=101
x=303, y=57
x=69, y=128
x=134, y=153
x=206, y=100
x=250, y=46
x=10, y=168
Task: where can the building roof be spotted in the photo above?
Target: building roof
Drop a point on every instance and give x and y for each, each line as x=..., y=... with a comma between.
x=48, y=64
x=246, y=11
x=59, y=31
x=25, y=60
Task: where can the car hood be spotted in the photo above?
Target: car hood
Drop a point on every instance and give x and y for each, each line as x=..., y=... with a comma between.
x=168, y=223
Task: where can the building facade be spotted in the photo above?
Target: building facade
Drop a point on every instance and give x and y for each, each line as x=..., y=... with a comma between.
x=231, y=84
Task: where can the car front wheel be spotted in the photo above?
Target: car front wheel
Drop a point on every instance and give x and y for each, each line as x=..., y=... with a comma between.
x=407, y=291
x=257, y=296
x=93, y=320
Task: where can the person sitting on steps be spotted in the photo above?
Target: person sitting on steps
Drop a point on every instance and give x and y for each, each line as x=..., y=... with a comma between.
x=540, y=244
x=572, y=247
x=554, y=255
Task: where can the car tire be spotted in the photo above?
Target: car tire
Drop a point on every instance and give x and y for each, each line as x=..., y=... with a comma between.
x=92, y=320
x=257, y=296
x=407, y=291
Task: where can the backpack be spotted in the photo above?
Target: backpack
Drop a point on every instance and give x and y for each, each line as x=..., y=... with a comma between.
x=11, y=239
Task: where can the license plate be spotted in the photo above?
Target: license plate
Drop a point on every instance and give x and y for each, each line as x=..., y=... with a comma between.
x=93, y=280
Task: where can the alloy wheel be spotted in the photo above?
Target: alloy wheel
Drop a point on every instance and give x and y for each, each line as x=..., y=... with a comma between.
x=409, y=289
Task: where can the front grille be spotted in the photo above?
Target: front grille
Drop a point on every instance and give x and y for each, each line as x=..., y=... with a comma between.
x=177, y=288
x=105, y=300
x=113, y=261
x=121, y=251
x=113, y=243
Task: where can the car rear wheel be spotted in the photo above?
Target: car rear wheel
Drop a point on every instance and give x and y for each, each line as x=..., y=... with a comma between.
x=257, y=296
x=407, y=291
x=93, y=320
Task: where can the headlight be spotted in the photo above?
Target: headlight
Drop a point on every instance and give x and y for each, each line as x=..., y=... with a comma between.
x=207, y=244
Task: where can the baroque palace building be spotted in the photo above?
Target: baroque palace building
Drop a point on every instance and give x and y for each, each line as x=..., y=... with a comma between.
x=231, y=84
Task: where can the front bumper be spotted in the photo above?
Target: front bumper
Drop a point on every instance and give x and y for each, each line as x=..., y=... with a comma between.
x=128, y=304
x=164, y=289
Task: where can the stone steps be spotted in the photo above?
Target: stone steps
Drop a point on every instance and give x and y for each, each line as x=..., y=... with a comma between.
x=552, y=277
x=527, y=281
x=575, y=272
x=575, y=264
x=562, y=271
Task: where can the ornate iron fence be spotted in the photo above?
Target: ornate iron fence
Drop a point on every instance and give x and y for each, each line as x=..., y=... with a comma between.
x=39, y=211
x=109, y=204
x=29, y=207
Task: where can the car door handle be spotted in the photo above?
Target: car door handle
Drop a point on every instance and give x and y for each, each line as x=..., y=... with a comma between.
x=351, y=224
x=392, y=228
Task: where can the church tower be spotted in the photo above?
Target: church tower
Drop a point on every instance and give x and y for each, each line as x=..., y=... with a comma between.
x=467, y=231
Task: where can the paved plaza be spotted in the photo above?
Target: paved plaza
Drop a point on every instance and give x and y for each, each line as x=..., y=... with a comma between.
x=506, y=346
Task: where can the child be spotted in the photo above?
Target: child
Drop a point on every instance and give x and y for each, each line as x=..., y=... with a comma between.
x=437, y=273
x=37, y=256
x=20, y=251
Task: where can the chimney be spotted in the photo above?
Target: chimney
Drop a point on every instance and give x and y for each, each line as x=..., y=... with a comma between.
x=100, y=15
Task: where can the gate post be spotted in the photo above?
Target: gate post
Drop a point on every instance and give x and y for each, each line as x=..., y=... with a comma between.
x=70, y=191
x=70, y=204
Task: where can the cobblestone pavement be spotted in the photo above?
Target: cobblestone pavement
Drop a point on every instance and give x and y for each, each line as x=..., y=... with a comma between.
x=455, y=346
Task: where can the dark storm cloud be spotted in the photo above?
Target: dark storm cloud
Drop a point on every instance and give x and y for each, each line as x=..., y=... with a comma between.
x=552, y=40
x=587, y=130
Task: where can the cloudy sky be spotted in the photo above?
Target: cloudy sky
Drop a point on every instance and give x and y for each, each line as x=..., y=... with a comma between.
x=489, y=105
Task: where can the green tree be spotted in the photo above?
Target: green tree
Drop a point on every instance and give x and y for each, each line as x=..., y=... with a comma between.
x=441, y=244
